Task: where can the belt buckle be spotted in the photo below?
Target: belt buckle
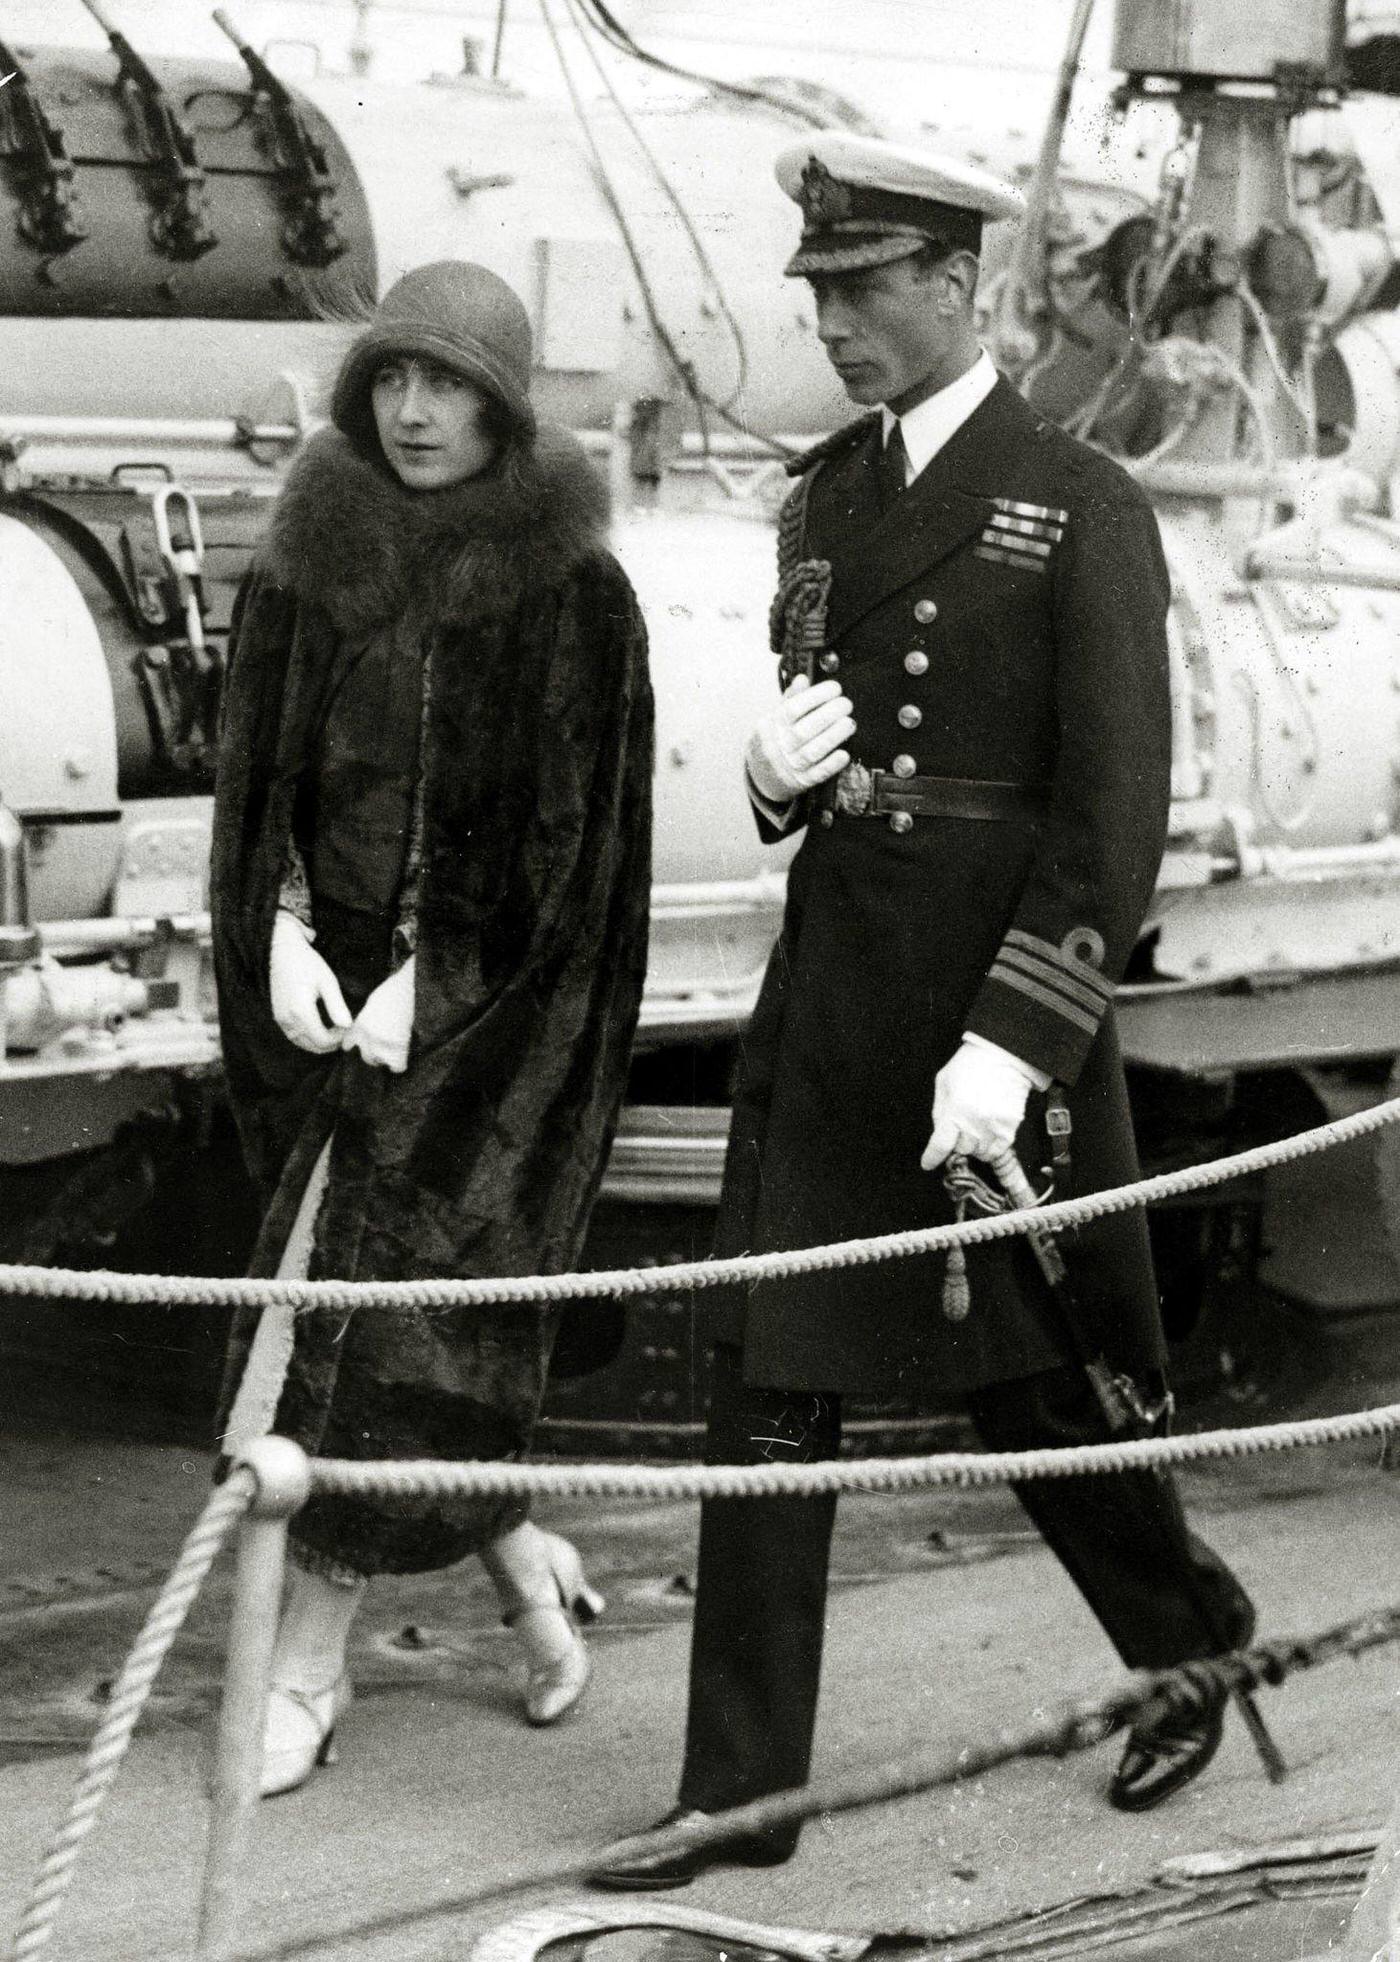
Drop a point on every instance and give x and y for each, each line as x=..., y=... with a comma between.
x=856, y=790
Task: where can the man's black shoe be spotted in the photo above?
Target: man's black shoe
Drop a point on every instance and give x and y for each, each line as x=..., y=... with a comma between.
x=1163, y=1756
x=768, y=1849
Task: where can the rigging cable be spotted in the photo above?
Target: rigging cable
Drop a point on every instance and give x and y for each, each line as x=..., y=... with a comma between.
x=614, y=203
x=1291, y=392
x=618, y=37
x=683, y=367
x=702, y=257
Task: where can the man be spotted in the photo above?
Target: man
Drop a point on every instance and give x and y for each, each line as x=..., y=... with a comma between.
x=981, y=759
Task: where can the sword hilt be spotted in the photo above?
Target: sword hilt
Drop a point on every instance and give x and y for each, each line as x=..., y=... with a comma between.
x=1019, y=1190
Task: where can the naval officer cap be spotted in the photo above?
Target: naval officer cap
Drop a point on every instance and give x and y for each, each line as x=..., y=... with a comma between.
x=868, y=203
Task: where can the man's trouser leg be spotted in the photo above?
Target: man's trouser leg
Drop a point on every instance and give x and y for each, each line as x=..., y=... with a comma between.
x=1160, y=1592
x=760, y=1607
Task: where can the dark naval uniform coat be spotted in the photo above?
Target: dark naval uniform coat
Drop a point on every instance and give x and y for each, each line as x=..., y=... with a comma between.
x=1002, y=622
x=1000, y=628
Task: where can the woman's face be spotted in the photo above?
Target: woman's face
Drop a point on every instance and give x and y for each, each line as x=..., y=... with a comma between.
x=430, y=422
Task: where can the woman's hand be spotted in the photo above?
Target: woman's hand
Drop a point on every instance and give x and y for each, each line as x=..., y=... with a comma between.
x=382, y=1029
x=307, y=1004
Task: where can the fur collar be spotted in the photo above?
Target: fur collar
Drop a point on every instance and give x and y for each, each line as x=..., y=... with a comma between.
x=349, y=537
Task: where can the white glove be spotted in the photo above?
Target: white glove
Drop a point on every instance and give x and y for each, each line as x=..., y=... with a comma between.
x=306, y=996
x=384, y=1025
x=798, y=744
x=979, y=1099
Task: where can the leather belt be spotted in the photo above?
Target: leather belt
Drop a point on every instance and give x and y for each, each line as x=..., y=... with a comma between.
x=859, y=792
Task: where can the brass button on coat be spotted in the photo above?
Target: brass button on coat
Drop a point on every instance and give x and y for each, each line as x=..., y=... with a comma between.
x=910, y=717
x=925, y=610
x=901, y=821
x=904, y=766
x=828, y=663
x=916, y=662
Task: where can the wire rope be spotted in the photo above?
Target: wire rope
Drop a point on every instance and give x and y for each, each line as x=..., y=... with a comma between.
x=619, y=37
x=684, y=368
x=702, y=257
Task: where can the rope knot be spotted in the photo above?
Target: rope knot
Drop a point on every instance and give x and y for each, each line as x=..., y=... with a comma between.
x=1191, y=1691
x=1273, y=1662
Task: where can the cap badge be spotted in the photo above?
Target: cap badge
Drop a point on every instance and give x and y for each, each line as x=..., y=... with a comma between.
x=825, y=200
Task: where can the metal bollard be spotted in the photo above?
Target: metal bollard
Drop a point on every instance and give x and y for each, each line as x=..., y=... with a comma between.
x=283, y=1473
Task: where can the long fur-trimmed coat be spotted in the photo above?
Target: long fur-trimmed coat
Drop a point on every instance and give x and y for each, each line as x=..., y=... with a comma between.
x=485, y=1156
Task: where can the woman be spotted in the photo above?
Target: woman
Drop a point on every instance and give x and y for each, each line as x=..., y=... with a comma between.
x=430, y=888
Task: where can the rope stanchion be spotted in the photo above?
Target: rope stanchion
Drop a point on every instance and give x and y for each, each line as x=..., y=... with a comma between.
x=108, y=1748
x=281, y=1471
x=1077, y=1726
x=165, y=1290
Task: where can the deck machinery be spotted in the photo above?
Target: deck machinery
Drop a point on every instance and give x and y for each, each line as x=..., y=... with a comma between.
x=185, y=248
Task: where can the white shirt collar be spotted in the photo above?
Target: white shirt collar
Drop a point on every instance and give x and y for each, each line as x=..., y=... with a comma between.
x=928, y=425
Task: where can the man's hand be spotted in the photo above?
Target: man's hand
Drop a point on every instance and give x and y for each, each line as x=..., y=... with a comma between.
x=979, y=1099
x=384, y=1025
x=799, y=743
x=307, y=1004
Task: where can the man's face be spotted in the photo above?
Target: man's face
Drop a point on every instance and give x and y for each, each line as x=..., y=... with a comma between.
x=429, y=421
x=886, y=329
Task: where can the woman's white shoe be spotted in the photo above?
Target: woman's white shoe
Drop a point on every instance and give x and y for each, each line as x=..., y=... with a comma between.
x=545, y=1595
x=558, y=1665
x=300, y=1733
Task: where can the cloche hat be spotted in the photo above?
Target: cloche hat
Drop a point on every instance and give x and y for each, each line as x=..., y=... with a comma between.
x=452, y=311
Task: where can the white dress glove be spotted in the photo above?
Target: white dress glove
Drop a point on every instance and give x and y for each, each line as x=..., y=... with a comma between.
x=307, y=1004
x=798, y=744
x=979, y=1099
x=384, y=1025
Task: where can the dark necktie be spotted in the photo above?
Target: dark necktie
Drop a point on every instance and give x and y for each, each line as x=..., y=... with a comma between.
x=894, y=466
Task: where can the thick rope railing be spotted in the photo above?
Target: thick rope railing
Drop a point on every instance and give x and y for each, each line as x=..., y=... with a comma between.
x=436, y=1478
x=1076, y=1726
x=224, y=1510
x=228, y=1504
x=418, y=1478
x=1062, y=1215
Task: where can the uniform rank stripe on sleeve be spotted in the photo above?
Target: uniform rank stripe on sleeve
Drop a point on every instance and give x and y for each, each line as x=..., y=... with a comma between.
x=1057, y=957
x=1017, y=510
x=995, y=557
x=1045, y=996
x=1053, y=977
x=1027, y=527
